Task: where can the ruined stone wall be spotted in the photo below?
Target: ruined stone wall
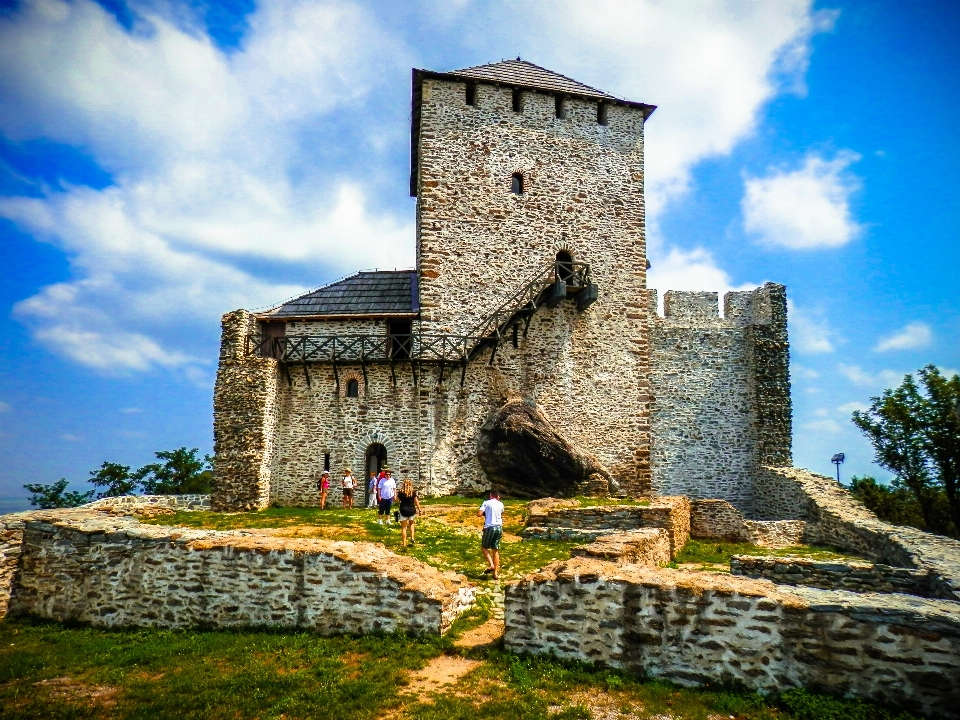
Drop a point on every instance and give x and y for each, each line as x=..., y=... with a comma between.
x=11, y=542
x=834, y=574
x=834, y=518
x=694, y=628
x=478, y=243
x=114, y=572
x=244, y=419
x=719, y=520
x=132, y=502
x=721, y=392
x=649, y=547
x=554, y=519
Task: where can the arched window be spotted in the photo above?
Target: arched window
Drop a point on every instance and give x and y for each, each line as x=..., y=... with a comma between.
x=564, y=267
x=516, y=184
x=353, y=388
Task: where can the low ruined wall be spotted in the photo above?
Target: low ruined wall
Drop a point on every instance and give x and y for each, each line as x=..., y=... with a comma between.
x=11, y=541
x=113, y=571
x=834, y=574
x=694, y=628
x=719, y=520
x=133, y=502
x=649, y=547
x=834, y=518
x=555, y=519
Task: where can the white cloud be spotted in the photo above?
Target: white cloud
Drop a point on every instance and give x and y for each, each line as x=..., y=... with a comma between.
x=221, y=161
x=881, y=379
x=804, y=372
x=913, y=336
x=851, y=407
x=823, y=426
x=806, y=208
x=206, y=153
x=809, y=333
x=71, y=438
x=693, y=270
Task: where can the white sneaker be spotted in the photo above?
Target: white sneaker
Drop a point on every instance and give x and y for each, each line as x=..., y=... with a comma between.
x=380, y=522
x=389, y=522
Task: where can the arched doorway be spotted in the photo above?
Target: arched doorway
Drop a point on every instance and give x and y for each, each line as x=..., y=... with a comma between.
x=376, y=461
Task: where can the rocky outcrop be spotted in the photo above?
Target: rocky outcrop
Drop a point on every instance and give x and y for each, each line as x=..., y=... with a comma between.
x=523, y=455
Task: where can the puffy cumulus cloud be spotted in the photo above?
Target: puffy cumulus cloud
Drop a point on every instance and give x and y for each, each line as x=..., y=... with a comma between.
x=810, y=333
x=805, y=208
x=824, y=427
x=221, y=161
x=204, y=148
x=691, y=270
x=914, y=336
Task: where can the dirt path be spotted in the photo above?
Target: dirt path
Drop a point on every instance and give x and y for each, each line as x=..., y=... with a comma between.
x=440, y=672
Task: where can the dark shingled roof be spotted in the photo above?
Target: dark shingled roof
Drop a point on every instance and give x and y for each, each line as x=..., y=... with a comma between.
x=376, y=293
x=526, y=74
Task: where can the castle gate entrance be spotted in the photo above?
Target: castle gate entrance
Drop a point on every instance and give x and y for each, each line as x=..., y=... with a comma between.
x=376, y=461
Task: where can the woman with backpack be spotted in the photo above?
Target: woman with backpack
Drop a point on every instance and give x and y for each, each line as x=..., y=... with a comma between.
x=409, y=507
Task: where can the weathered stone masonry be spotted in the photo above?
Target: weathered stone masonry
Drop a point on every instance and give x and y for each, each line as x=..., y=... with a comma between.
x=89, y=567
x=708, y=397
x=693, y=628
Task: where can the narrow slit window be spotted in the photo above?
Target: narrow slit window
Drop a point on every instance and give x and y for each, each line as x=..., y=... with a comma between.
x=516, y=184
x=518, y=101
x=326, y=461
x=602, y=113
x=471, y=94
x=353, y=388
x=559, y=109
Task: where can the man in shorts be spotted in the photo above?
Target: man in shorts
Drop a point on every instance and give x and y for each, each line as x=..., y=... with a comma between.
x=386, y=490
x=492, y=511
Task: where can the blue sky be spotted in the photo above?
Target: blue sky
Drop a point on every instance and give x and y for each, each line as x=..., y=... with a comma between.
x=162, y=163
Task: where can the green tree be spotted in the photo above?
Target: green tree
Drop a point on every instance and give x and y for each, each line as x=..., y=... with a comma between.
x=916, y=436
x=182, y=472
x=116, y=478
x=55, y=495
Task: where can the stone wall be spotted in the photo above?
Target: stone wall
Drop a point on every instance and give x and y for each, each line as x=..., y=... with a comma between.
x=849, y=575
x=546, y=517
x=244, y=419
x=721, y=392
x=694, y=628
x=113, y=571
x=649, y=547
x=834, y=518
x=11, y=542
x=134, y=502
x=719, y=520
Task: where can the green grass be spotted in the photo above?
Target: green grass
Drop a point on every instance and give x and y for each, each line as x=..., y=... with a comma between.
x=453, y=545
x=268, y=674
x=713, y=552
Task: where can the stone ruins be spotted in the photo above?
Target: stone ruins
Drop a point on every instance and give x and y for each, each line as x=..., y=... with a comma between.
x=526, y=352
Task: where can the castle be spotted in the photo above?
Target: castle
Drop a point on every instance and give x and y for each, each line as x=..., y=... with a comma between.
x=530, y=283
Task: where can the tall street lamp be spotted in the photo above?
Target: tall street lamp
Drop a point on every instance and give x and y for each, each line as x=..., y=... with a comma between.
x=837, y=460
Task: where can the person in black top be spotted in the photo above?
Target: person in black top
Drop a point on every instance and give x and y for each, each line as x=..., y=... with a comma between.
x=409, y=507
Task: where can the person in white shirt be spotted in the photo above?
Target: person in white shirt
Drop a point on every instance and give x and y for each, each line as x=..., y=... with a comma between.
x=348, y=484
x=386, y=490
x=492, y=511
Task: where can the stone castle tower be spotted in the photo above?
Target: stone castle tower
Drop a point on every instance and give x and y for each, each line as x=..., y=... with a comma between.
x=530, y=284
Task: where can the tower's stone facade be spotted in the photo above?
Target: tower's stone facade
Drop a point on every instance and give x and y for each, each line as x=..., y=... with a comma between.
x=513, y=167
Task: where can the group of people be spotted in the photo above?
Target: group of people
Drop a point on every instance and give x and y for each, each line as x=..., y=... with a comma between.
x=382, y=491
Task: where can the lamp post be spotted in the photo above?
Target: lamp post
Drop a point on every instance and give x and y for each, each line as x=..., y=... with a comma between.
x=837, y=460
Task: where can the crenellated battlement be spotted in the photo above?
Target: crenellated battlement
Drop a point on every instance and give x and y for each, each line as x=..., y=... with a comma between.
x=765, y=305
